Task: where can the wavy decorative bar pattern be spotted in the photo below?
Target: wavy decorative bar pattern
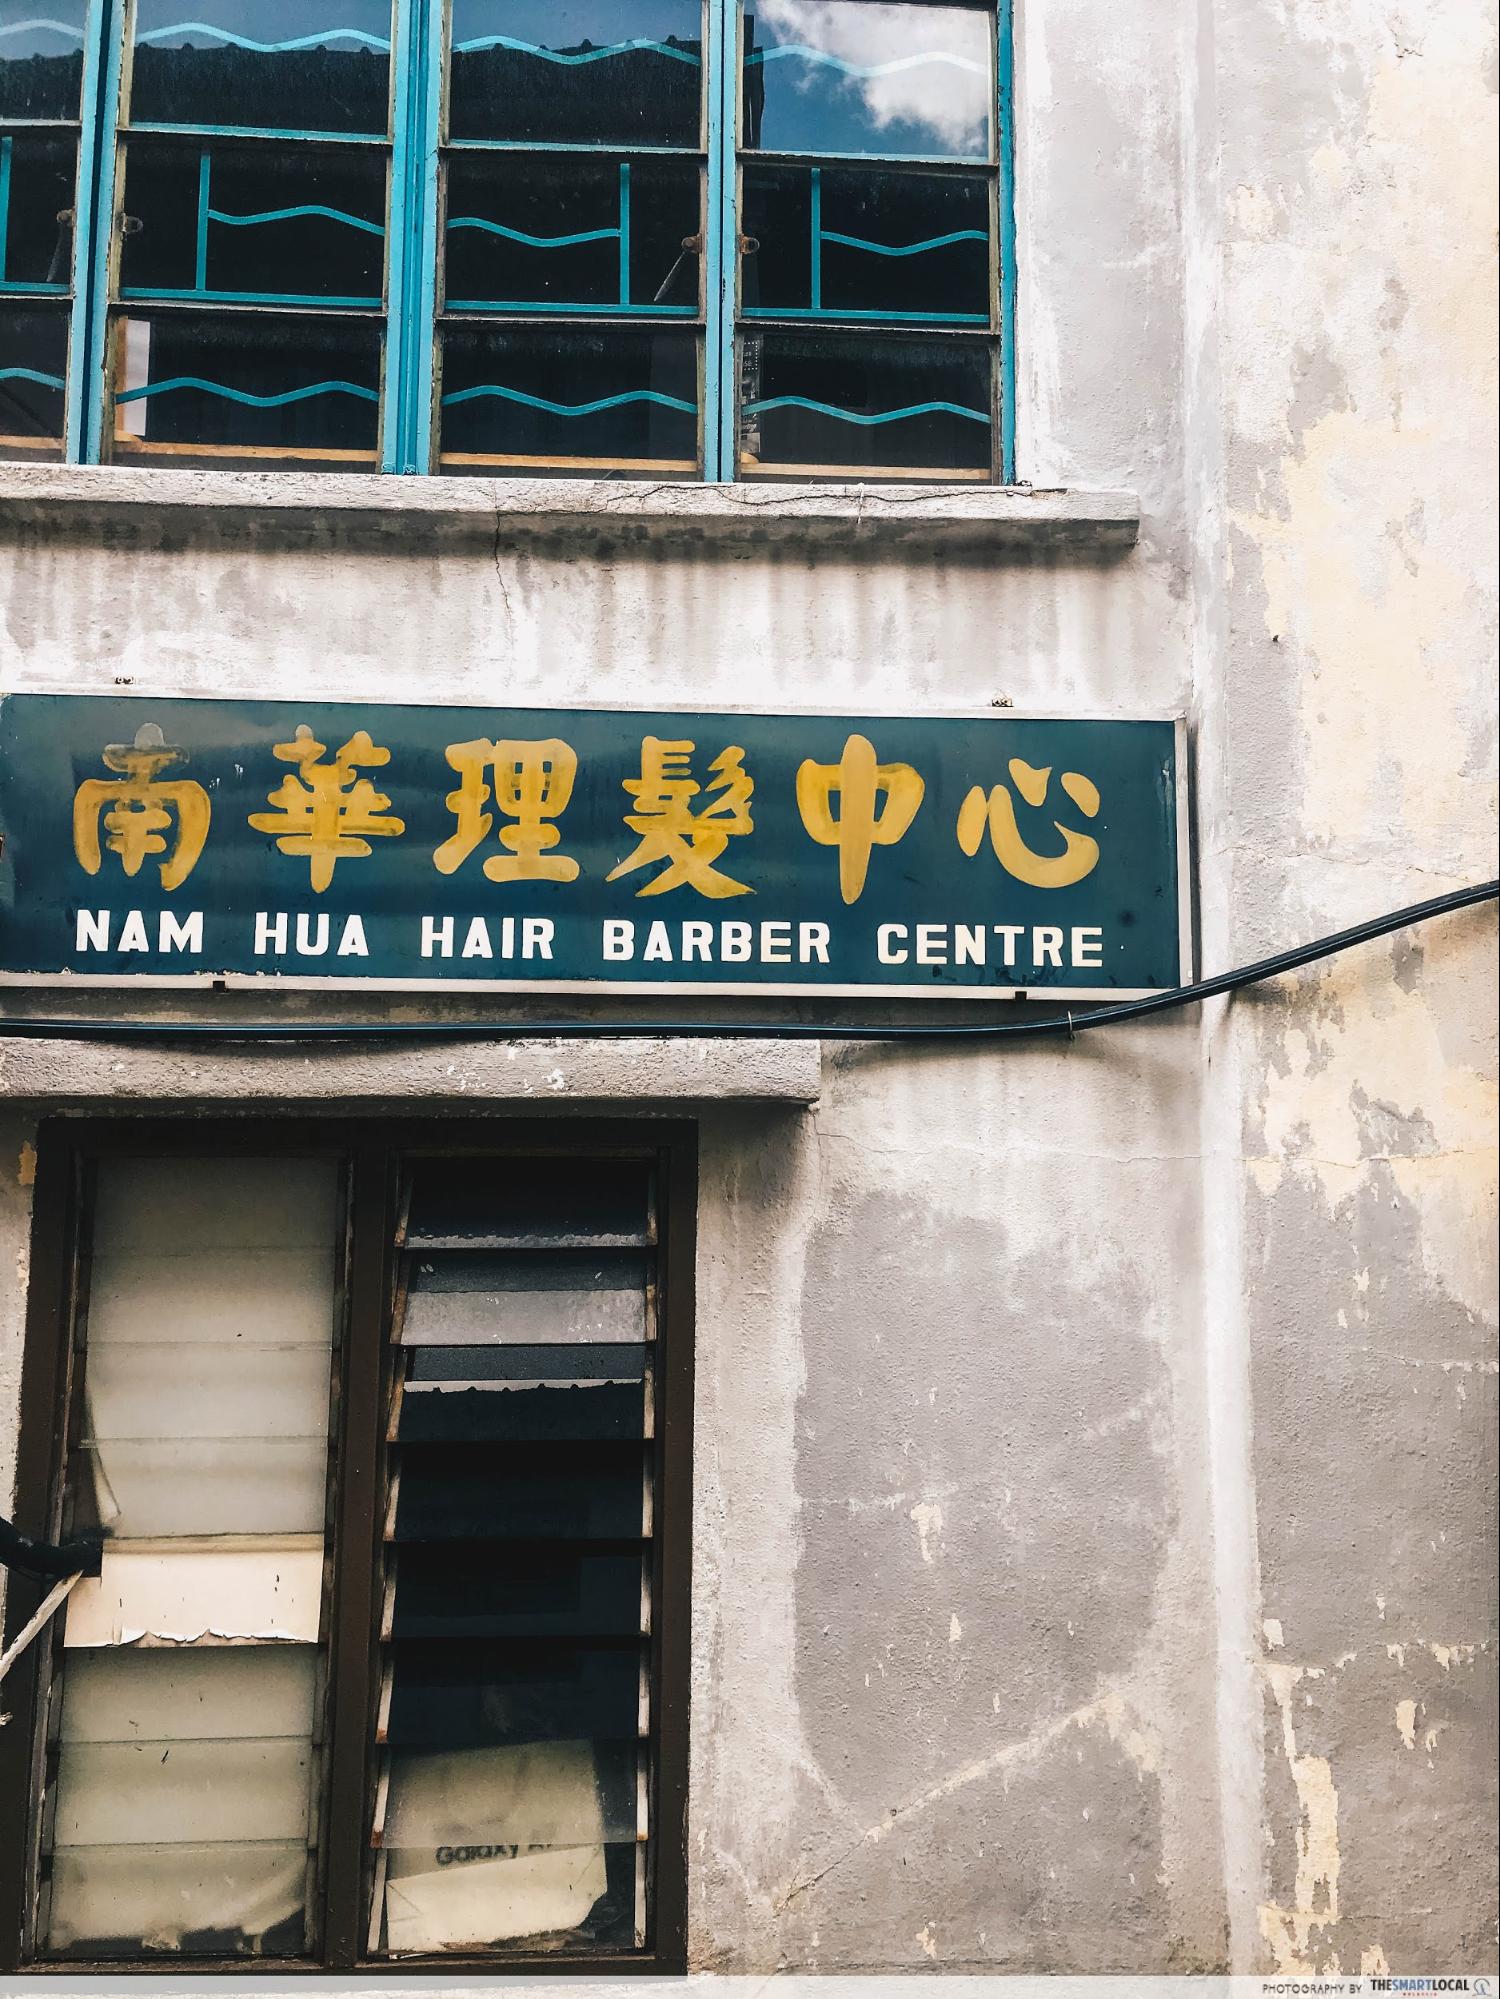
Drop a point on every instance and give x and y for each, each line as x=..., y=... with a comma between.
x=571, y=409
x=865, y=71
x=244, y=395
x=66, y=29
x=533, y=242
x=572, y=58
x=818, y=236
x=619, y=233
x=860, y=417
x=229, y=38
x=32, y=375
x=905, y=249
x=200, y=291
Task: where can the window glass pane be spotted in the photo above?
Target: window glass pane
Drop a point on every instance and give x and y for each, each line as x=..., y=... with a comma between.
x=527, y=1363
x=246, y=386
x=279, y=65
x=181, y=1813
x=868, y=76
x=592, y=72
x=519, y=1591
x=577, y=1412
x=531, y=1492
x=530, y=1204
x=41, y=58
x=208, y=1901
x=574, y=399
x=33, y=371
x=190, y=1696
x=535, y=1794
x=516, y=1706
x=526, y=1297
x=853, y=405
x=840, y=241
x=175, y=1792
x=36, y=208
x=527, y=231
x=267, y=222
x=165, y=1486
x=449, y=1695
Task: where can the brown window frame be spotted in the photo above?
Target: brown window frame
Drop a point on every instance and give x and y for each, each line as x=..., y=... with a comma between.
x=372, y=1150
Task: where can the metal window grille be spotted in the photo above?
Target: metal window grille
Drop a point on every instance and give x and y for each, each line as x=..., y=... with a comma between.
x=620, y=238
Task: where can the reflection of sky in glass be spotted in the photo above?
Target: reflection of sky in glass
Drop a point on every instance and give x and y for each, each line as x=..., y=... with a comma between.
x=40, y=28
x=872, y=78
x=207, y=24
x=571, y=24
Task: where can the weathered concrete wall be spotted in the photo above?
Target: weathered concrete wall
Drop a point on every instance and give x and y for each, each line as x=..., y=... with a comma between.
x=1352, y=703
x=1078, y=1426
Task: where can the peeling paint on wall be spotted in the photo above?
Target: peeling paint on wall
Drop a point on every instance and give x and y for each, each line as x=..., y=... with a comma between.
x=1315, y=1906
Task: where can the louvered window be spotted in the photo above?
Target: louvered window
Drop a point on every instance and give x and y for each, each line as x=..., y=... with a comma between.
x=387, y=1659
x=514, y=1723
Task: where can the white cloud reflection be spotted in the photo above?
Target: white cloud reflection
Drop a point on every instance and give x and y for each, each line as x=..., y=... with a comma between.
x=948, y=99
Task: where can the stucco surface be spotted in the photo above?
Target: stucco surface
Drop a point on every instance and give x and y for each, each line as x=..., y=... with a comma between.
x=1093, y=1566
x=1357, y=344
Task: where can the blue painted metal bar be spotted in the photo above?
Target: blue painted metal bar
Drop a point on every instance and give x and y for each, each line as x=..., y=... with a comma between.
x=330, y=388
x=568, y=146
x=228, y=38
x=421, y=385
x=200, y=261
x=860, y=417
x=415, y=243
x=170, y=131
x=721, y=243
x=402, y=282
x=534, y=242
x=569, y=309
x=955, y=162
x=185, y=295
x=5, y=151
x=815, y=196
x=571, y=409
x=834, y=313
x=639, y=44
x=290, y=214
x=32, y=375
x=906, y=249
x=18, y=288
x=88, y=344
x=1005, y=195
x=624, y=232
x=864, y=72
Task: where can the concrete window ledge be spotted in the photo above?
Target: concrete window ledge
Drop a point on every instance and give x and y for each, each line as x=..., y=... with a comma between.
x=301, y=504
x=648, y=1069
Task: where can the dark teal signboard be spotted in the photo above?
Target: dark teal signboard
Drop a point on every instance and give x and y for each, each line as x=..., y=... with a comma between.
x=317, y=842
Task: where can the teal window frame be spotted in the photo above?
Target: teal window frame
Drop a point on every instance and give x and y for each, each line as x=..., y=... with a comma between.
x=408, y=433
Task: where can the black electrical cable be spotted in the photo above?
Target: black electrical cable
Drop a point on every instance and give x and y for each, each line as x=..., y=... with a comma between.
x=50, y=1559
x=1067, y=1023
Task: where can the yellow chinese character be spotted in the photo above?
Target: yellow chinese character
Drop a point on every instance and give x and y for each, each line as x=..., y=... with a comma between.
x=325, y=811
x=141, y=804
x=671, y=831
x=1080, y=855
x=863, y=822
x=533, y=783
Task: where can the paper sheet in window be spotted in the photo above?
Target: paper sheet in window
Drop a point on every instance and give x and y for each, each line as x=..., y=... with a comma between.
x=487, y=1845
